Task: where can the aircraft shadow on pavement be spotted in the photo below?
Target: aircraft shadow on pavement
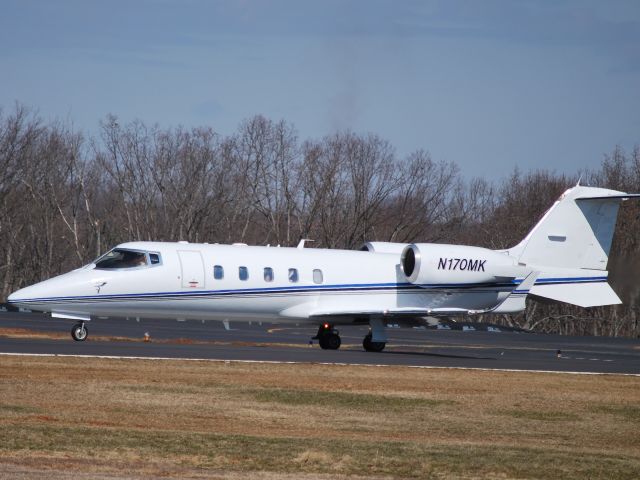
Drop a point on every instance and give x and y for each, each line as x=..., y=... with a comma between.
x=437, y=355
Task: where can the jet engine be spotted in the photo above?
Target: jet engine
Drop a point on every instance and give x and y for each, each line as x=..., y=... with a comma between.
x=430, y=263
x=383, y=247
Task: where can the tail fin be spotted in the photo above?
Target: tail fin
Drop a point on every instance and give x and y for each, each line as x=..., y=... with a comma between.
x=570, y=245
x=576, y=232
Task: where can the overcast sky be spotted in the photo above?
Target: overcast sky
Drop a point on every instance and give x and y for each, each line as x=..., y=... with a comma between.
x=487, y=84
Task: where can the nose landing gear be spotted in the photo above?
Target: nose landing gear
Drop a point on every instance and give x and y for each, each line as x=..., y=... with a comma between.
x=79, y=332
x=328, y=337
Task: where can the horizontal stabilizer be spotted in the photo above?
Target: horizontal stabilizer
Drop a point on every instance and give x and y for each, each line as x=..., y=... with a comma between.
x=580, y=294
x=622, y=196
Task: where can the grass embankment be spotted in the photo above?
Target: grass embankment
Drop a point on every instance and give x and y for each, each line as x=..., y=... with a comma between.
x=135, y=418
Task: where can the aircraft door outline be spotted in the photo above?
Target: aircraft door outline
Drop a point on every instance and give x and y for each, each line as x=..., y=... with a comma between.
x=191, y=269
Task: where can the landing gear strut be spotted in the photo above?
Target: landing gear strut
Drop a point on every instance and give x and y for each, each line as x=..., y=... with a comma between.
x=376, y=339
x=371, y=346
x=79, y=332
x=328, y=337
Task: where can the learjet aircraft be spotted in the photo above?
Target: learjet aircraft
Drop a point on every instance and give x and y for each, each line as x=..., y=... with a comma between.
x=563, y=258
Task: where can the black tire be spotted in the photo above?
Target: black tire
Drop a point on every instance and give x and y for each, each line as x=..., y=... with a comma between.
x=329, y=341
x=79, y=332
x=370, y=346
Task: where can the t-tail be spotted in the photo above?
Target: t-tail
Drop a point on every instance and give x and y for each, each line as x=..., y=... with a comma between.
x=570, y=247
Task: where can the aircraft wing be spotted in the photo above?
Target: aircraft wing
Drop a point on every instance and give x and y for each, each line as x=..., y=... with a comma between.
x=515, y=302
x=394, y=312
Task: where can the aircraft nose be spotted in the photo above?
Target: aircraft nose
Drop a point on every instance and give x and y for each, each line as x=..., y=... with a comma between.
x=15, y=296
x=50, y=292
x=18, y=296
x=26, y=294
x=33, y=297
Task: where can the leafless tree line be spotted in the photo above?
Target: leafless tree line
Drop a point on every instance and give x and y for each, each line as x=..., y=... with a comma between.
x=66, y=198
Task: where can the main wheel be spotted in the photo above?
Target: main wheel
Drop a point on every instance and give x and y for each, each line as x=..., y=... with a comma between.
x=329, y=341
x=370, y=346
x=79, y=332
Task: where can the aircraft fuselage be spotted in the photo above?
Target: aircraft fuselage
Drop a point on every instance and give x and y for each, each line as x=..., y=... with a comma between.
x=239, y=282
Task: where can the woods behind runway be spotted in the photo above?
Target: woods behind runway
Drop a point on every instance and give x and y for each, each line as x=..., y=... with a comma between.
x=81, y=418
x=69, y=196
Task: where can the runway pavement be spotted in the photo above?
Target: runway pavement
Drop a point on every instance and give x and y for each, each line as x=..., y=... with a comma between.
x=290, y=343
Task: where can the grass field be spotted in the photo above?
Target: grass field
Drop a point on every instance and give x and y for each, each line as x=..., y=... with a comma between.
x=97, y=418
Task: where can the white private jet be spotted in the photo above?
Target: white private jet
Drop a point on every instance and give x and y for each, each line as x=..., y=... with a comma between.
x=563, y=258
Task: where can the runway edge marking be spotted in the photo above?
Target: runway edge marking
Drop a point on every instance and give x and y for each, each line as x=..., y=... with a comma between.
x=282, y=362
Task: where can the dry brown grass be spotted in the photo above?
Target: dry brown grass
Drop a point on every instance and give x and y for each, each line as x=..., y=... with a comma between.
x=145, y=418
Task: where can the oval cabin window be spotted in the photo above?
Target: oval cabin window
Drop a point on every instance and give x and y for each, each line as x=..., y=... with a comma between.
x=268, y=274
x=293, y=275
x=317, y=276
x=218, y=272
x=243, y=273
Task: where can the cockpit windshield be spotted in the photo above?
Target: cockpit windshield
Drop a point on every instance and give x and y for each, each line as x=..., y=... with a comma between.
x=121, y=258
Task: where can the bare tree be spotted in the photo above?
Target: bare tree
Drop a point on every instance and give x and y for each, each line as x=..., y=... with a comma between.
x=64, y=200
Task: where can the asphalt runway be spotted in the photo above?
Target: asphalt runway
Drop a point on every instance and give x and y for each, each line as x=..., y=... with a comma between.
x=290, y=343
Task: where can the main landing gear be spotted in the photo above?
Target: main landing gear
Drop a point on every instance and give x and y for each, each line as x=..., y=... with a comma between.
x=376, y=339
x=328, y=337
x=371, y=346
x=79, y=332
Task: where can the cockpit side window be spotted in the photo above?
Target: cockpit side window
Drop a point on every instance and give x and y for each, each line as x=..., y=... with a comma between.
x=121, y=258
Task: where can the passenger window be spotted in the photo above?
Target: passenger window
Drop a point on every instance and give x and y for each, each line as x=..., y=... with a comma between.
x=218, y=272
x=120, y=258
x=155, y=258
x=293, y=275
x=268, y=274
x=317, y=276
x=243, y=272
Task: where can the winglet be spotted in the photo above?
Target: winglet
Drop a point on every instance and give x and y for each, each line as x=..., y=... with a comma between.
x=515, y=302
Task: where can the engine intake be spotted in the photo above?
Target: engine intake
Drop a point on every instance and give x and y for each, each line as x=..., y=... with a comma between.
x=383, y=247
x=410, y=261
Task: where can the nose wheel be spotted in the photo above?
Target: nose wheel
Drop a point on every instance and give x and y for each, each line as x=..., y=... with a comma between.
x=79, y=332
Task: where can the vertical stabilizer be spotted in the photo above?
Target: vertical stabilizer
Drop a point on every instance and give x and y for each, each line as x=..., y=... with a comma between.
x=576, y=232
x=570, y=247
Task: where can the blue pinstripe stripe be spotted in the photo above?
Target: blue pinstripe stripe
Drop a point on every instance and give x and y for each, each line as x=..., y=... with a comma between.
x=318, y=288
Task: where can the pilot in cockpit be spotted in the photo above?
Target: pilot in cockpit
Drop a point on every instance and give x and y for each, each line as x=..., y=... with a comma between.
x=121, y=258
x=138, y=260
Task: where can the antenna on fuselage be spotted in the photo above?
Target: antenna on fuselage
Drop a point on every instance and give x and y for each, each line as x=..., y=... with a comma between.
x=301, y=243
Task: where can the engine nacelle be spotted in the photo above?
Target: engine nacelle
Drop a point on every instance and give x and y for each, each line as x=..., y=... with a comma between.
x=383, y=247
x=431, y=263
